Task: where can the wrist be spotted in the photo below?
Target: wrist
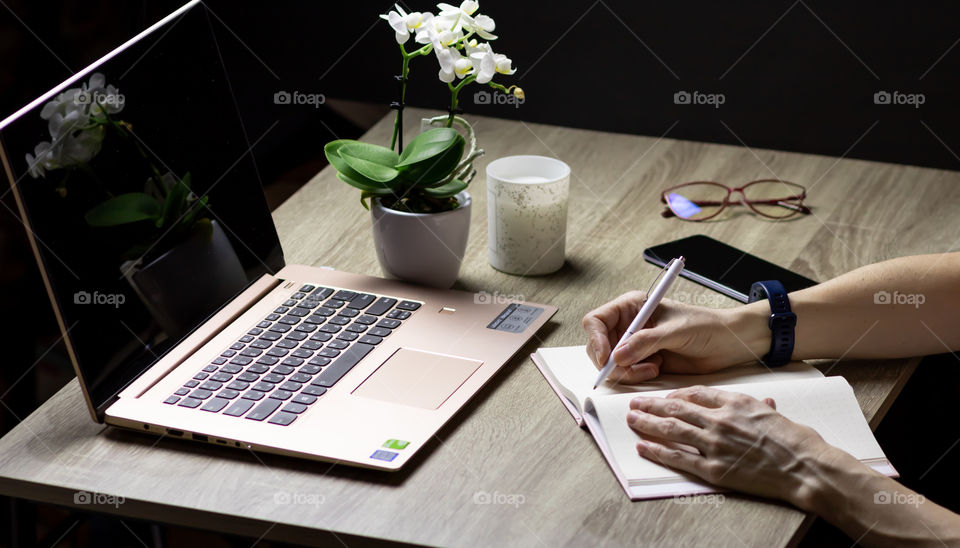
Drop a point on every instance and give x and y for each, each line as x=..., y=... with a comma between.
x=749, y=325
x=823, y=479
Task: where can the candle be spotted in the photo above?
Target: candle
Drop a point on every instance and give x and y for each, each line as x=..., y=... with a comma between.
x=527, y=214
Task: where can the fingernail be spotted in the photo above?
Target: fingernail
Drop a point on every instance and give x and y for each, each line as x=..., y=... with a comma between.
x=633, y=417
x=642, y=447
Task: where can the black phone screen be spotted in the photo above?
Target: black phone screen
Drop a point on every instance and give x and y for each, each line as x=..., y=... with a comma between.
x=722, y=267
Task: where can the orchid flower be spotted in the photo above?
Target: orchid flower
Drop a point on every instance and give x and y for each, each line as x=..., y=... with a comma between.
x=486, y=63
x=460, y=18
x=404, y=23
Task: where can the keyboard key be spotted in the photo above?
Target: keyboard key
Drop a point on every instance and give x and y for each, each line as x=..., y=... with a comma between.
x=365, y=320
x=241, y=360
x=297, y=335
x=313, y=390
x=382, y=305
x=279, y=328
x=339, y=320
x=268, y=360
x=270, y=336
x=219, y=361
x=342, y=365
x=261, y=344
x=321, y=337
x=361, y=301
x=309, y=303
x=324, y=311
x=278, y=352
x=272, y=317
x=309, y=370
x=228, y=394
x=209, y=368
x=231, y=369
x=289, y=302
x=286, y=344
x=302, y=353
x=282, y=370
x=201, y=376
x=294, y=362
x=210, y=385
x=172, y=400
x=281, y=310
x=255, y=331
x=215, y=405
x=314, y=320
x=263, y=386
x=311, y=345
x=371, y=339
x=238, y=408
x=283, y=418
x=398, y=314
x=321, y=293
x=258, y=369
x=307, y=288
x=248, y=377
x=346, y=336
x=246, y=339
x=305, y=399
x=300, y=312
x=236, y=346
x=240, y=385
x=251, y=352
x=281, y=395
x=329, y=328
x=344, y=295
x=328, y=353
x=319, y=361
x=338, y=344
x=300, y=377
x=306, y=328
x=388, y=323
x=182, y=391
x=334, y=303
x=349, y=313
x=408, y=305
x=291, y=386
x=357, y=327
x=221, y=377
x=298, y=295
x=272, y=378
x=253, y=395
x=191, y=383
x=379, y=332
x=201, y=394
x=294, y=408
x=290, y=320
x=190, y=402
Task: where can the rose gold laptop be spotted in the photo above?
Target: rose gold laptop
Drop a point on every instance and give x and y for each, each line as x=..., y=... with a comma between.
x=145, y=212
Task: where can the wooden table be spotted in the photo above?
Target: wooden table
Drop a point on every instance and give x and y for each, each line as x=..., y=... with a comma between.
x=514, y=444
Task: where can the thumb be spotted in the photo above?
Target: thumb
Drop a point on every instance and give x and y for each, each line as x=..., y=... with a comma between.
x=640, y=345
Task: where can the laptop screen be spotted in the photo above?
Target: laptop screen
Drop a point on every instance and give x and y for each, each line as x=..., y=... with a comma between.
x=139, y=189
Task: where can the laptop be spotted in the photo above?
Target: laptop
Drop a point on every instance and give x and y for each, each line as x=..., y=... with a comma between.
x=138, y=189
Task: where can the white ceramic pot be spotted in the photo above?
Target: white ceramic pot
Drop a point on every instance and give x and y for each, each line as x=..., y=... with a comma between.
x=423, y=248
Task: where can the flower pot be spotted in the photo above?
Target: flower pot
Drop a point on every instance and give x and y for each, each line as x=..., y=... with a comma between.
x=423, y=248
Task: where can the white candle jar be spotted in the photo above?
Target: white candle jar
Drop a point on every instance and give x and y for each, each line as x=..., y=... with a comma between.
x=527, y=214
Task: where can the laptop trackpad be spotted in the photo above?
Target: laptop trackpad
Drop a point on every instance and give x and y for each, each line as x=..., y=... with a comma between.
x=417, y=378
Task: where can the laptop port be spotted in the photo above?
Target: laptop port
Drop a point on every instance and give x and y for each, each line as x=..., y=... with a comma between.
x=173, y=432
x=200, y=437
x=222, y=441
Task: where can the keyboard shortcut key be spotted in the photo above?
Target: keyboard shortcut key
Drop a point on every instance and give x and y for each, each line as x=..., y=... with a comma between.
x=408, y=305
x=361, y=301
x=283, y=418
x=238, y=408
x=313, y=390
x=190, y=402
x=215, y=405
x=371, y=339
x=295, y=408
x=382, y=305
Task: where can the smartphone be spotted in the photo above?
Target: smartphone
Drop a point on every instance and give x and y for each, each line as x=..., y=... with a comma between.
x=723, y=268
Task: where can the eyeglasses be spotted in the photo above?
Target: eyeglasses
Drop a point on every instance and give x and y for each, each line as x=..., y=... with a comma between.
x=702, y=200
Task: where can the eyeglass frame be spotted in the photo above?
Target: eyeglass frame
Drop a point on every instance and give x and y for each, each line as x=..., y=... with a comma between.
x=798, y=208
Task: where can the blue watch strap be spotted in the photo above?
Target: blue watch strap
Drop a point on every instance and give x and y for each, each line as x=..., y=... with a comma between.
x=782, y=321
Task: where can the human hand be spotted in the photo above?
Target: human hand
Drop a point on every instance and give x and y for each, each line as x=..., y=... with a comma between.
x=678, y=338
x=743, y=443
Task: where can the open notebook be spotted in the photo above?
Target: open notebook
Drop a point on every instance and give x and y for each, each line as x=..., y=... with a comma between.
x=802, y=393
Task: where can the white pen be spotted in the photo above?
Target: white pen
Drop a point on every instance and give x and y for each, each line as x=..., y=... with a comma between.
x=673, y=269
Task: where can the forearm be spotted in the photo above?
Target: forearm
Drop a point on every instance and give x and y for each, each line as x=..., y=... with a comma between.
x=898, y=308
x=870, y=507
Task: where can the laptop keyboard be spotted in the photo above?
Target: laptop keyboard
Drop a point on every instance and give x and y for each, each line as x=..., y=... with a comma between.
x=289, y=360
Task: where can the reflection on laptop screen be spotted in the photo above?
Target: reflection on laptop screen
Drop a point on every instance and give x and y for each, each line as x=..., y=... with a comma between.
x=140, y=190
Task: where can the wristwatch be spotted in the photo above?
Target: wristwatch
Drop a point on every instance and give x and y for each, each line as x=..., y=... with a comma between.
x=782, y=321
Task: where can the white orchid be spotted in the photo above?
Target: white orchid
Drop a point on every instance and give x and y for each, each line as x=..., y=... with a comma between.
x=463, y=18
x=453, y=65
x=437, y=31
x=486, y=63
x=404, y=23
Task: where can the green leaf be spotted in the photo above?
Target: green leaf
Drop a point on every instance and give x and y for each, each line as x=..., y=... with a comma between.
x=332, y=152
x=429, y=144
x=370, y=170
x=176, y=198
x=373, y=189
x=447, y=190
x=372, y=153
x=435, y=168
x=123, y=209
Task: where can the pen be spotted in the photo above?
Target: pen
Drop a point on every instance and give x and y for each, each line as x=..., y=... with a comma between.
x=673, y=269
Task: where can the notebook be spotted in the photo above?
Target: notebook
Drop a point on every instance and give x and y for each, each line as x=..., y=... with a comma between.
x=802, y=393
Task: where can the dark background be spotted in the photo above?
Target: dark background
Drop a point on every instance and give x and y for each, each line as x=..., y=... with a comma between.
x=797, y=76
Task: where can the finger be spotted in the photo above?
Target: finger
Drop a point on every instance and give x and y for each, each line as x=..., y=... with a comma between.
x=672, y=407
x=667, y=429
x=673, y=458
x=642, y=344
x=770, y=402
x=605, y=324
x=704, y=396
x=638, y=372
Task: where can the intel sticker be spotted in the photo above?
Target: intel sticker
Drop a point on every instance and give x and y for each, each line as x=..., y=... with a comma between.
x=380, y=454
x=515, y=318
